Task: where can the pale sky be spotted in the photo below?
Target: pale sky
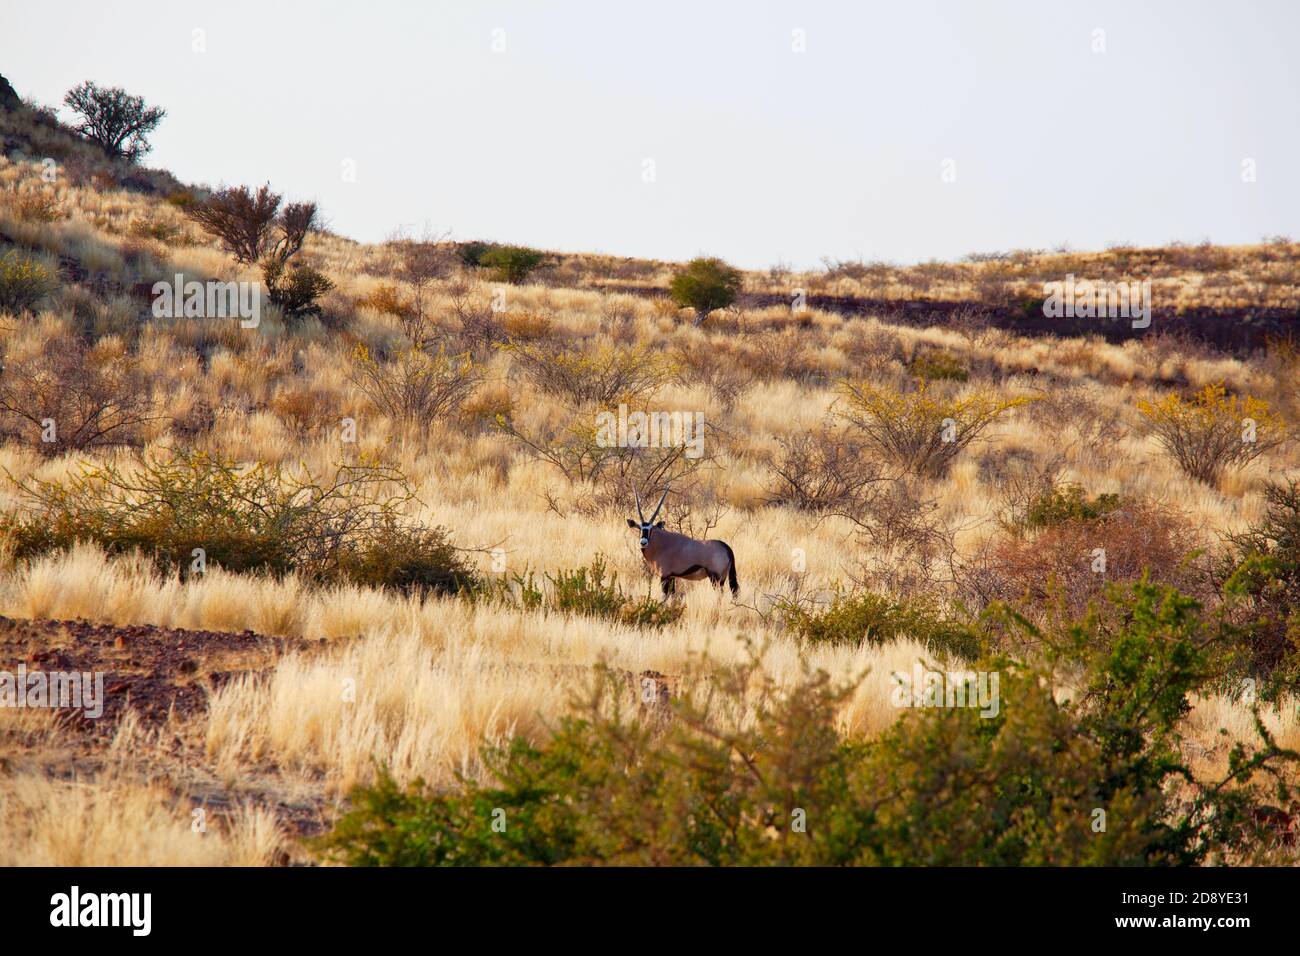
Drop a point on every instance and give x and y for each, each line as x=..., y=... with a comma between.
x=757, y=153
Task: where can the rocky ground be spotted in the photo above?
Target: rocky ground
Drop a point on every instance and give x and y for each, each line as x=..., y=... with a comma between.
x=164, y=678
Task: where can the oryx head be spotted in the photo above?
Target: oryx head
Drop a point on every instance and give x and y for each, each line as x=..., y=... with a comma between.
x=644, y=526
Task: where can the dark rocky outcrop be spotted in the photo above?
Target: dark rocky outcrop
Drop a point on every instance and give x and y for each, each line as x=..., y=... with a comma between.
x=9, y=98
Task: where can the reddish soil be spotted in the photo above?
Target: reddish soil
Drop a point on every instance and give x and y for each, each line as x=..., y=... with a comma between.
x=156, y=671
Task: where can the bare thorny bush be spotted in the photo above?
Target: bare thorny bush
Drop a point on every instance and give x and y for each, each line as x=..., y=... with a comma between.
x=975, y=325
x=694, y=513
x=1099, y=426
x=725, y=380
x=587, y=383
x=604, y=375
x=416, y=387
x=644, y=470
x=426, y=380
x=480, y=329
x=71, y=396
x=246, y=223
x=1023, y=484
x=603, y=477
x=422, y=264
x=822, y=472
x=906, y=547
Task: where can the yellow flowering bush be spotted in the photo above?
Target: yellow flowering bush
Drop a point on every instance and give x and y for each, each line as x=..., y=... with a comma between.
x=1213, y=430
x=922, y=430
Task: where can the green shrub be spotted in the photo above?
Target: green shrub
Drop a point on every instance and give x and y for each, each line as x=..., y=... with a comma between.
x=870, y=618
x=296, y=288
x=23, y=282
x=1261, y=582
x=410, y=560
x=939, y=366
x=511, y=264
x=471, y=253
x=588, y=591
x=259, y=518
x=746, y=773
x=1068, y=502
x=705, y=285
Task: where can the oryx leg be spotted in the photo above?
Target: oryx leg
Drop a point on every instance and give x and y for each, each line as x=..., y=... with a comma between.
x=666, y=582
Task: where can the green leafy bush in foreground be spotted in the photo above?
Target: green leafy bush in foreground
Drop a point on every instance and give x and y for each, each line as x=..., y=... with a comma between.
x=1261, y=582
x=744, y=774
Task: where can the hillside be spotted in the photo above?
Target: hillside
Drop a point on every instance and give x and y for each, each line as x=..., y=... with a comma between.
x=414, y=540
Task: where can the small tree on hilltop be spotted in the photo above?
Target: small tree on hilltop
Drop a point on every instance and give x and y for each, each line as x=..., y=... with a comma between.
x=113, y=119
x=471, y=253
x=511, y=264
x=705, y=285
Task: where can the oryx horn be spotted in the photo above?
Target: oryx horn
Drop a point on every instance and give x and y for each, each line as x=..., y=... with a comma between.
x=658, y=506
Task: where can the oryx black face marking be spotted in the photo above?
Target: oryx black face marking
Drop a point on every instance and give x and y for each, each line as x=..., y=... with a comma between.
x=645, y=530
x=674, y=555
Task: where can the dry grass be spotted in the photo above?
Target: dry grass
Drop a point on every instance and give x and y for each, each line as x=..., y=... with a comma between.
x=47, y=822
x=113, y=817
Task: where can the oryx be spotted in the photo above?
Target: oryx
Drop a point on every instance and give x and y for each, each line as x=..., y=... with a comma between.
x=673, y=555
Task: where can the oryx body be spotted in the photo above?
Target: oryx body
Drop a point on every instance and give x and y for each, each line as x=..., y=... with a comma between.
x=672, y=555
